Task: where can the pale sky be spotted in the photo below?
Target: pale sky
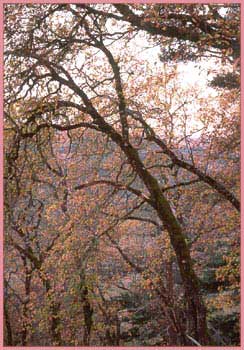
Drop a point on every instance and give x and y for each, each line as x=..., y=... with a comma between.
x=190, y=76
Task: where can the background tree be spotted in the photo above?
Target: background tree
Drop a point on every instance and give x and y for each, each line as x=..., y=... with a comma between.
x=99, y=139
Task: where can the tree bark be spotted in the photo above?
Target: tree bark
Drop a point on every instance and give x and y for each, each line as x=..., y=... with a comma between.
x=87, y=310
x=55, y=319
x=8, y=326
x=196, y=312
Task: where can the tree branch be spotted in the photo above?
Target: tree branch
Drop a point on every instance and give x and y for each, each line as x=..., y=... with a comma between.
x=117, y=185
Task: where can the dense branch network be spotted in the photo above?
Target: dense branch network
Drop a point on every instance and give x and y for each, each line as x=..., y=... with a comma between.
x=67, y=95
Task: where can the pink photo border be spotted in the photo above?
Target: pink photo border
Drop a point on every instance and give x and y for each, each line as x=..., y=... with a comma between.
x=2, y=3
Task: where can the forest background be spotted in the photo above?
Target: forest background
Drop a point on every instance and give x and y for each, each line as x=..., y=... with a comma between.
x=121, y=189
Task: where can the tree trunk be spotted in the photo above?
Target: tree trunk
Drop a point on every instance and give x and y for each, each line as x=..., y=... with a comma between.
x=196, y=312
x=55, y=319
x=24, y=333
x=87, y=309
x=88, y=312
x=8, y=325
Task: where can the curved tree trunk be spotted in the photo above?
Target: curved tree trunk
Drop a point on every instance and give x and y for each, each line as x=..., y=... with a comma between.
x=196, y=312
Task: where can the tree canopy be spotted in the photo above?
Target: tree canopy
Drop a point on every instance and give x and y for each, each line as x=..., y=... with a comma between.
x=121, y=179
